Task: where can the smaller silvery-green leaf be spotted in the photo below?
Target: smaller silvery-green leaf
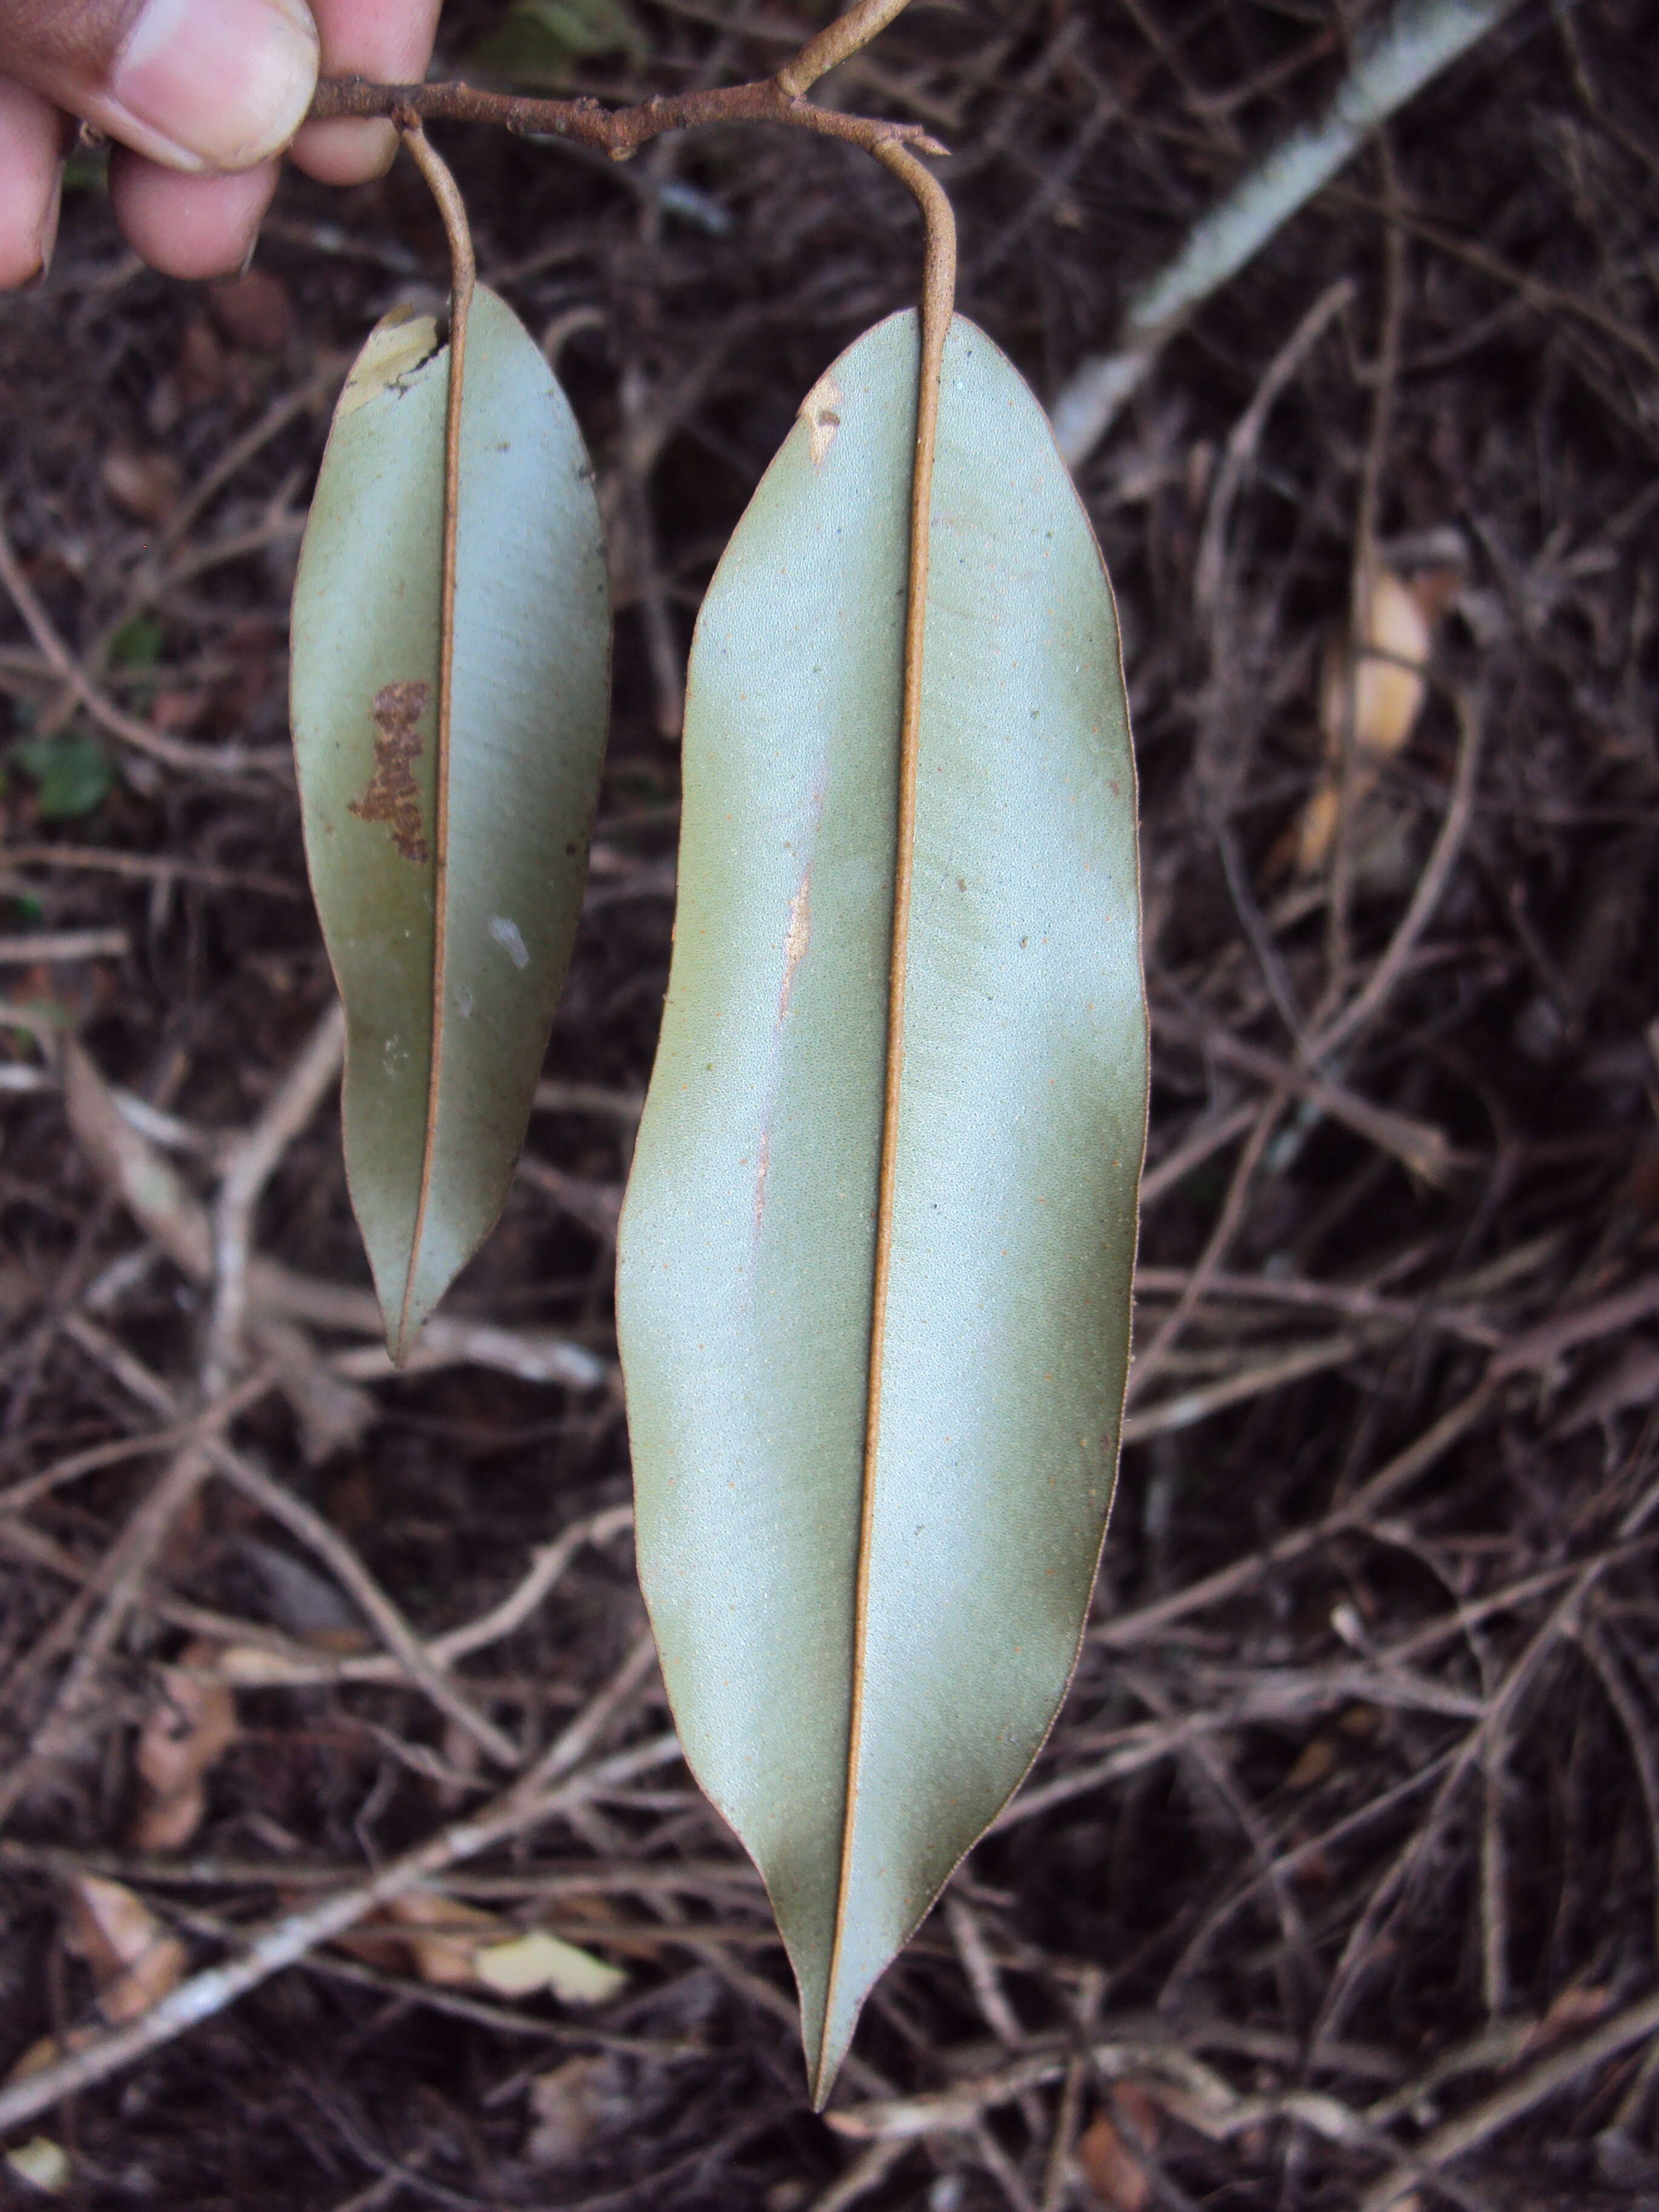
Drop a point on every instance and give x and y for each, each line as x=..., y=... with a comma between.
x=449, y=926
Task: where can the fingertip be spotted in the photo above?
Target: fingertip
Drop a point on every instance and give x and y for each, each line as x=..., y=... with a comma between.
x=31, y=182
x=390, y=42
x=190, y=225
x=345, y=151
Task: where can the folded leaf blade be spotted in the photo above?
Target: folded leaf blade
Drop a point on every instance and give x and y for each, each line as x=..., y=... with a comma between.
x=863, y=1661
x=529, y=696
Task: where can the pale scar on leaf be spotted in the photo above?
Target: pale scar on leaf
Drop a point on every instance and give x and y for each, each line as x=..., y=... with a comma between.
x=819, y=412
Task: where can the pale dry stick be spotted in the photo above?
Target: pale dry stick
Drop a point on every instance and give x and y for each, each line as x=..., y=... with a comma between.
x=196, y=759
x=282, y=523
x=248, y=1166
x=315, y=392
x=1187, y=1407
x=179, y=1434
x=1338, y=945
x=954, y=2110
x=120, y=1582
x=1473, y=1611
x=1422, y=37
x=1421, y=1149
x=543, y=1795
x=1477, y=1748
x=1205, y=1754
x=250, y=1666
x=1536, y=291
x=862, y=2178
x=1354, y=1301
x=1221, y=1701
x=1257, y=935
x=1152, y=1747
x=1562, y=1621
x=1149, y=1744
x=116, y=1138
x=1437, y=2149
x=1539, y=1348
x=227, y=1629
x=61, y=1633
x=1453, y=1765
x=575, y=1879
x=407, y=2174
x=1210, y=562
x=1147, y=1620
x=1584, y=85
x=503, y=2018
x=1056, y=2171
x=158, y=1200
x=148, y=867
x=1209, y=1138
x=980, y=1967
x=979, y=1963
x=1635, y=2105
x=161, y=1128
x=1349, y=1020
x=1001, y=2168
x=1495, y=2047
x=447, y=1340
x=1494, y=1896
x=151, y=583
x=148, y=1186
x=555, y=1098
x=650, y=592
x=1191, y=2091
x=331, y=1412
x=597, y=1206
x=1147, y=1364
x=1597, y=1646
x=318, y=1536
x=326, y=1543
x=24, y=949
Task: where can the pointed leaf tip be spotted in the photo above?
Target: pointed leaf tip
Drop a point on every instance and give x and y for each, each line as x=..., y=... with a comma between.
x=449, y=916
x=864, y=1649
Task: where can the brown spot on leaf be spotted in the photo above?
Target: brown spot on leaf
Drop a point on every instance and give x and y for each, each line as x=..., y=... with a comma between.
x=392, y=797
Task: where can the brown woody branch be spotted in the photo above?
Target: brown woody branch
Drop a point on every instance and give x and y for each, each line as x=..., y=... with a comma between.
x=621, y=132
x=618, y=132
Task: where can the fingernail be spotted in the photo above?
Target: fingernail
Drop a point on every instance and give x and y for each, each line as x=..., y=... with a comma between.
x=49, y=231
x=215, y=84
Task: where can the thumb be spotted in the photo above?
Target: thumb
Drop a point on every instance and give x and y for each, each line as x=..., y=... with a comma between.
x=197, y=84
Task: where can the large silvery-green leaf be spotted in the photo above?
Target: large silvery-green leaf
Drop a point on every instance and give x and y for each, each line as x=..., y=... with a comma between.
x=450, y=929
x=864, y=1650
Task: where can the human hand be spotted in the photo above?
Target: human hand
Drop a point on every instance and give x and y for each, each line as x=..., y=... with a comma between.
x=201, y=97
